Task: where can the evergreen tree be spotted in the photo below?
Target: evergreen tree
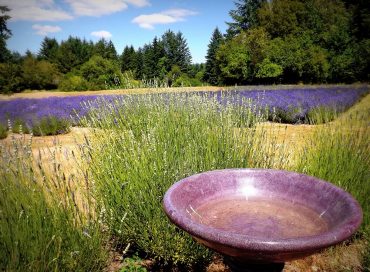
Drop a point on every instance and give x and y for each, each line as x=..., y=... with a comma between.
x=212, y=70
x=49, y=50
x=72, y=53
x=244, y=16
x=184, y=53
x=128, y=59
x=176, y=50
x=139, y=63
x=159, y=60
x=5, y=34
x=105, y=49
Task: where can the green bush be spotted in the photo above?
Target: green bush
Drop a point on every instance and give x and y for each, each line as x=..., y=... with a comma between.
x=73, y=83
x=143, y=144
x=11, y=80
x=42, y=227
x=19, y=126
x=321, y=115
x=50, y=125
x=99, y=72
x=185, y=81
x=3, y=131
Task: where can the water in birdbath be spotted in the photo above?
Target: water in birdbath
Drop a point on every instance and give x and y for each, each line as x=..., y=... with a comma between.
x=260, y=217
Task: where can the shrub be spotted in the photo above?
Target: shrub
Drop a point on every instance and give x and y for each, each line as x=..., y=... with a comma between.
x=73, y=83
x=321, y=115
x=185, y=81
x=99, y=72
x=42, y=228
x=19, y=126
x=144, y=144
x=39, y=74
x=50, y=125
x=11, y=80
x=3, y=131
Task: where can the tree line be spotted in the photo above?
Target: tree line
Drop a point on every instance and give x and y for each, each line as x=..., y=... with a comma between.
x=276, y=41
x=290, y=41
x=77, y=64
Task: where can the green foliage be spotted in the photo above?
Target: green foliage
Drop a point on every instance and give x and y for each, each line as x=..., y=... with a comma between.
x=128, y=60
x=72, y=82
x=239, y=56
x=268, y=70
x=312, y=41
x=39, y=74
x=72, y=53
x=185, y=81
x=99, y=72
x=281, y=17
x=132, y=265
x=11, y=79
x=105, y=49
x=3, y=131
x=41, y=226
x=19, y=126
x=5, y=33
x=244, y=16
x=149, y=142
x=321, y=115
x=299, y=58
x=212, y=69
x=49, y=50
x=50, y=125
x=176, y=50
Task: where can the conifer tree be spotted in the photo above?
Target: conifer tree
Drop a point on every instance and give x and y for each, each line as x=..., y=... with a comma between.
x=176, y=50
x=244, y=16
x=49, y=50
x=128, y=59
x=212, y=70
x=5, y=34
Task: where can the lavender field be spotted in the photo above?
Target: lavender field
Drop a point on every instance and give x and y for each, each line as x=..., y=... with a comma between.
x=290, y=105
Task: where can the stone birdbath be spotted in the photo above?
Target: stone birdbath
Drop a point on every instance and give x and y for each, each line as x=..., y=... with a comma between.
x=260, y=218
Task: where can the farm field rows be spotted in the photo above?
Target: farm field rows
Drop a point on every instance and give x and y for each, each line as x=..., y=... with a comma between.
x=293, y=137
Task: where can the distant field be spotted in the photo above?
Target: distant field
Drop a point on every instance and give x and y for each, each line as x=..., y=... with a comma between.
x=287, y=104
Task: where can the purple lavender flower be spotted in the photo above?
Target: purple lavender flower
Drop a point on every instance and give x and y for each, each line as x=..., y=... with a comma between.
x=295, y=103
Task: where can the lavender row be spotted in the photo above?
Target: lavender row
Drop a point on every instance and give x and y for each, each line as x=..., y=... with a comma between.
x=294, y=103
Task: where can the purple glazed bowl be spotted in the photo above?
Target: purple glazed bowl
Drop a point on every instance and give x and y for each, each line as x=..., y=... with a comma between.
x=262, y=215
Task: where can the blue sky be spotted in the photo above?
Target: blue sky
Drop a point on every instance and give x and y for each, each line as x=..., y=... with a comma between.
x=125, y=22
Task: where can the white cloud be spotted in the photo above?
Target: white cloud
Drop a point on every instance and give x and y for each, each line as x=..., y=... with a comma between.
x=148, y=21
x=138, y=3
x=49, y=10
x=102, y=34
x=44, y=30
x=98, y=7
x=35, y=10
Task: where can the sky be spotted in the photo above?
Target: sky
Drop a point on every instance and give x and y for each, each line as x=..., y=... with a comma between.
x=124, y=22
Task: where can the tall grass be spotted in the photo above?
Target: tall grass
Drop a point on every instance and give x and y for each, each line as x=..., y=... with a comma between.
x=339, y=152
x=43, y=227
x=143, y=144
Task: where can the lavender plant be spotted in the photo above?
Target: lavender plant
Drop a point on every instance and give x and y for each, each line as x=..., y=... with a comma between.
x=291, y=105
x=143, y=144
